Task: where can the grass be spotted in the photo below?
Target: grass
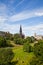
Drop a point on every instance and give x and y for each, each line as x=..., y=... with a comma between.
x=22, y=57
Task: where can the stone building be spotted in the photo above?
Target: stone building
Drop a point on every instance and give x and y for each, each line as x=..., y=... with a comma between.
x=2, y=33
x=21, y=34
x=38, y=37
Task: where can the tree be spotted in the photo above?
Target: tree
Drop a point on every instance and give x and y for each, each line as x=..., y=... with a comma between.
x=38, y=52
x=18, y=39
x=5, y=43
x=6, y=55
x=2, y=42
x=28, y=39
x=27, y=47
x=16, y=36
x=33, y=39
x=8, y=36
x=36, y=61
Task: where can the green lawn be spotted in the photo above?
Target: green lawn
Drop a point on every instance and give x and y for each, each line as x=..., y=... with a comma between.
x=22, y=57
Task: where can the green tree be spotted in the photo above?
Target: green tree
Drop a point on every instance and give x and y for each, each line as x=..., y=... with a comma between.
x=33, y=39
x=4, y=42
x=28, y=39
x=27, y=47
x=36, y=61
x=16, y=36
x=6, y=55
x=18, y=39
x=38, y=52
x=8, y=36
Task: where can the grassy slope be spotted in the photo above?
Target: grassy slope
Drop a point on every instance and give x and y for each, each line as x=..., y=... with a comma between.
x=22, y=57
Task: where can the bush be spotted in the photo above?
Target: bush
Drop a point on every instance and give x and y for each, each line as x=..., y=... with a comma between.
x=27, y=47
x=16, y=36
x=9, y=44
x=2, y=42
x=38, y=52
x=28, y=39
x=18, y=41
x=33, y=39
x=6, y=55
x=5, y=43
x=36, y=61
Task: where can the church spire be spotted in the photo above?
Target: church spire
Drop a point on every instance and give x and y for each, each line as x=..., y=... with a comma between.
x=21, y=34
x=20, y=30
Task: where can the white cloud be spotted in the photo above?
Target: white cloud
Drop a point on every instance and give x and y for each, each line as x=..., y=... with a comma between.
x=36, y=27
x=11, y=28
x=26, y=15
x=2, y=19
x=3, y=9
x=39, y=13
x=14, y=28
x=27, y=30
x=19, y=3
x=2, y=6
x=30, y=30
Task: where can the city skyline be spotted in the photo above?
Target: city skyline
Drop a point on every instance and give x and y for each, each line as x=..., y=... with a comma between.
x=27, y=13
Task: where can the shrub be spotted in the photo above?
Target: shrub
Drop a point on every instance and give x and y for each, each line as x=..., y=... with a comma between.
x=36, y=61
x=33, y=39
x=6, y=55
x=16, y=36
x=5, y=43
x=28, y=39
x=9, y=44
x=38, y=52
x=27, y=47
x=2, y=42
x=18, y=41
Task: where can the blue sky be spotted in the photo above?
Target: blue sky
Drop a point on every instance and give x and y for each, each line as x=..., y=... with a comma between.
x=28, y=13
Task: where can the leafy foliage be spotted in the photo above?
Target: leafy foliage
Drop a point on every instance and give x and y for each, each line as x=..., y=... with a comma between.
x=33, y=39
x=8, y=36
x=38, y=52
x=28, y=39
x=27, y=47
x=18, y=39
x=16, y=36
x=6, y=55
x=36, y=61
x=4, y=42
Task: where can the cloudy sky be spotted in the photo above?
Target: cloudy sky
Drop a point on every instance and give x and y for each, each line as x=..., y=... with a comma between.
x=28, y=13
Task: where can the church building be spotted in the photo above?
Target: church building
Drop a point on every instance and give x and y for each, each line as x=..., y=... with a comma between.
x=21, y=34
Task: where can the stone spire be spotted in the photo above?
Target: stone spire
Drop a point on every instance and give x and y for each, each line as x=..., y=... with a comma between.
x=20, y=30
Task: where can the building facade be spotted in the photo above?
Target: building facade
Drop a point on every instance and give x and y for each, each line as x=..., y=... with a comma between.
x=38, y=37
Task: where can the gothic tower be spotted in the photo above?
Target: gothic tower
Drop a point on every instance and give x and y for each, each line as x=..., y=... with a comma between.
x=21, y=34
x=20, y=30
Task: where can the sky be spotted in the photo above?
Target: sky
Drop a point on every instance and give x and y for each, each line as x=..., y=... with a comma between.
x=27, y=13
